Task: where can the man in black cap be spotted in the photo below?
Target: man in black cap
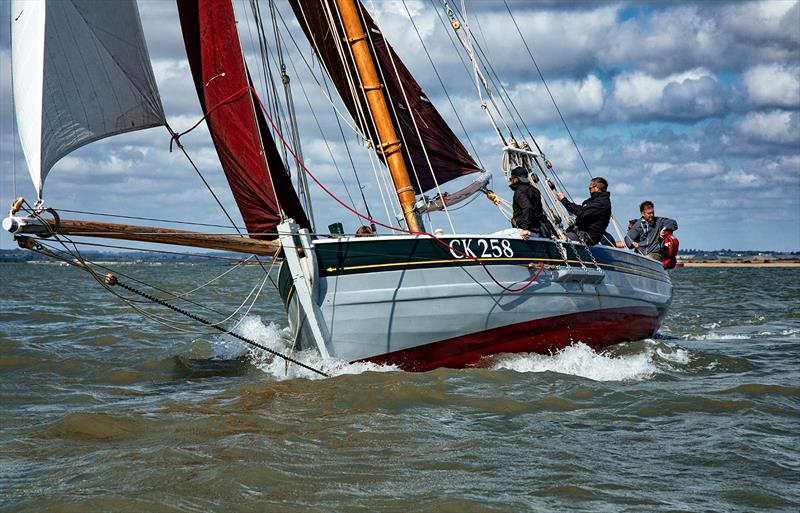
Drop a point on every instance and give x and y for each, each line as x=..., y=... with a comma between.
x=528, y=212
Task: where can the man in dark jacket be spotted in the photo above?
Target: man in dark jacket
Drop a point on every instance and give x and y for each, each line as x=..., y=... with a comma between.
x=592, y=216
x=647, y=234
x=528, y=212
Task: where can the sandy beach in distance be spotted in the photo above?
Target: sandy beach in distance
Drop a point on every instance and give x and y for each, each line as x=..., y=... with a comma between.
x=740, y=264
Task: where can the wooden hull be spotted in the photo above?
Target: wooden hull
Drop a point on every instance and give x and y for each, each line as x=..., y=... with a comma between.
x=412, y=302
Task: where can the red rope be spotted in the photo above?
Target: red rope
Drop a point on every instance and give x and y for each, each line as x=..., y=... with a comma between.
x=177, y=135
x=348, y=207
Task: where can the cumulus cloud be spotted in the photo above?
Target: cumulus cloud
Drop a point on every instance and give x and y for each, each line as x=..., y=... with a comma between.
x=562, y=43
x=780, y=127
x=668, y=41
x=691, y=94
x=763, y=22
x=773, y=85
x=576, y=98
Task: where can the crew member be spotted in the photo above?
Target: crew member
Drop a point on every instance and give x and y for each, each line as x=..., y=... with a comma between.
x=365, y=231
x=592, y=216
x=528, y=212
x=621, y=243
x=647, y=234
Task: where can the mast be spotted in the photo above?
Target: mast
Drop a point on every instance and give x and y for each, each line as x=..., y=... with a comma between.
x=373, y=90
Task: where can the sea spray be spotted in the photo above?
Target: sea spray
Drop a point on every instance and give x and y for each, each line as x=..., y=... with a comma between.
x=580, y=360
x=280, y=340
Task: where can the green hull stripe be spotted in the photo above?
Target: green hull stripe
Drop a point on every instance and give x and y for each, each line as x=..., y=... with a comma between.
x=357, y=257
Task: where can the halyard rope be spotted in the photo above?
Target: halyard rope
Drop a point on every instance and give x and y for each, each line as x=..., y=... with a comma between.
x=240, y=94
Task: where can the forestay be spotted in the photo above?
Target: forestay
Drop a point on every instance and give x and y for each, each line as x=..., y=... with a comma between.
x=81, y=72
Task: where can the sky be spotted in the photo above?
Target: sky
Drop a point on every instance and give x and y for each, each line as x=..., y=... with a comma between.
x=692, y=105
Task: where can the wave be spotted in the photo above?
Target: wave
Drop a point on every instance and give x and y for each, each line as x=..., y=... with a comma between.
x=280, y=340
x=643, y=363
x=711, y=335
x=636, y=361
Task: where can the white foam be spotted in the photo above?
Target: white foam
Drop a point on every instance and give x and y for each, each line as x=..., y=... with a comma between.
x=674, y=354
x=577, y=359
x=711, y=335
x=782, y=333
x=228, y=348
x=580, y=360
x=280, y=340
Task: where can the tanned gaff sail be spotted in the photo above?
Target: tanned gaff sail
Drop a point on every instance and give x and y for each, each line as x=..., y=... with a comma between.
x=258, y=179
x=448, y=157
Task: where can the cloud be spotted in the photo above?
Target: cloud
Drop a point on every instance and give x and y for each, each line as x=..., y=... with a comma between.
x=773, y=85
x=576, y=98
x=766, y=23
x=564, y=44
x=666, y=41
x=692, y=94
x=780, y=127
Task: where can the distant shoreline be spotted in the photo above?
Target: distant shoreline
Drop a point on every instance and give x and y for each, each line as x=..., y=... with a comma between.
x=740, y=264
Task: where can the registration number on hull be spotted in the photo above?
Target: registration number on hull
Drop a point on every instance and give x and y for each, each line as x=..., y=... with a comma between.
x=481, y=248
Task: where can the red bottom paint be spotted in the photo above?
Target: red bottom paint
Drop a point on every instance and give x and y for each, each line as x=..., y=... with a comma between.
x=599, y=328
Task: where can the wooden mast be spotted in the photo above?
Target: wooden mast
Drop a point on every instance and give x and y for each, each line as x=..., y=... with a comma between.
x=373, y=90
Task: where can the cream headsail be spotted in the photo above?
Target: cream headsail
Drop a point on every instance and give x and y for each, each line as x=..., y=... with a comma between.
x=81, y=72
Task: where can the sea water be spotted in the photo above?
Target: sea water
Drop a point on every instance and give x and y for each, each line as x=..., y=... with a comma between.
x=104, y=409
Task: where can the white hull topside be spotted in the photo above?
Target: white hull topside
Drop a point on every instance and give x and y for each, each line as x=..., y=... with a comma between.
x=413, y=302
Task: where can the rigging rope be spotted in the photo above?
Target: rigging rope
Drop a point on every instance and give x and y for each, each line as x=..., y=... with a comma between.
x=111, y=280
x=360, y=118
x=101, y=214
x=337, y=116
x=327, y=146
x=546, y=87
x=416, y=126
x=357, y=91
x=441, y=82
x=462, y=31
x=410, y=232
x=176, y=138
x=164, y=251
x=76, y=254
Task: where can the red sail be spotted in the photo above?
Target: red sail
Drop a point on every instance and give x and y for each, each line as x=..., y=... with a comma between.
x=258, y=179
x=448, y=157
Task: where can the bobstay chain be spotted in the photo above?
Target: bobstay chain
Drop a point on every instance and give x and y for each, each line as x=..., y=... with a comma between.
x=112, y=280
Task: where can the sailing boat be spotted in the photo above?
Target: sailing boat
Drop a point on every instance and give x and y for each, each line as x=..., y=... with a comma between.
x=409, y=298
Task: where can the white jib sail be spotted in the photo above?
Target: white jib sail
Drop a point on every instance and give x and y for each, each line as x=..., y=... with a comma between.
x=81, y=73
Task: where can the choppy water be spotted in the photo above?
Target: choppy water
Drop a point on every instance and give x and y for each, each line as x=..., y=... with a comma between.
x=103, y=410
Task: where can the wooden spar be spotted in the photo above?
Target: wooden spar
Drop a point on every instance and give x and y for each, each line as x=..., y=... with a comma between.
x=373, y=90
x=165, y=236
